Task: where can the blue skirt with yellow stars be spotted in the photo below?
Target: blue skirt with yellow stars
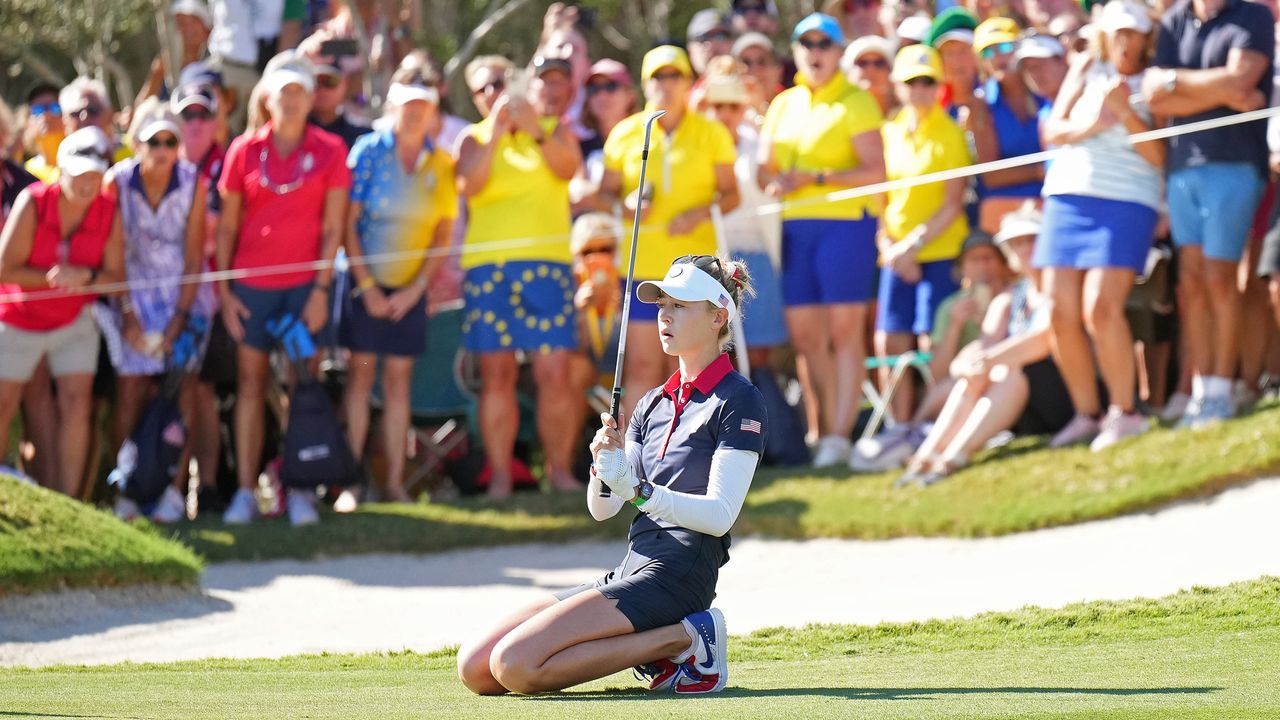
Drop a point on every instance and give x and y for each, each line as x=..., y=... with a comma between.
x=524, y=305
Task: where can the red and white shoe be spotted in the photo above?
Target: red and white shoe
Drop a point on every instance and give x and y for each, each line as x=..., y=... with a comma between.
x=660, y=675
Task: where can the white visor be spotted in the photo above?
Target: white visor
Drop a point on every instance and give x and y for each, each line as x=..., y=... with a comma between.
x=687, y=283
x=155, y=127
x=278, y=80
x=401, y=94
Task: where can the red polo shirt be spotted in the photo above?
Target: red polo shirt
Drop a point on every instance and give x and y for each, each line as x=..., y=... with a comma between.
x=283, y=210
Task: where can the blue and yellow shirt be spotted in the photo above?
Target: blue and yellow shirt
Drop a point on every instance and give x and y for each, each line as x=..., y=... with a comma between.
x=400, y=210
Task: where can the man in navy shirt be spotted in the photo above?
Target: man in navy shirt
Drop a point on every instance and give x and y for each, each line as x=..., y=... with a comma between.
x=1215, y=59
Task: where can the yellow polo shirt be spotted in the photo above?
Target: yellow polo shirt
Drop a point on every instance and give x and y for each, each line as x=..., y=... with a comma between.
x=523, y=199
x=682, y=171
x=812, y=130
x=937, y=144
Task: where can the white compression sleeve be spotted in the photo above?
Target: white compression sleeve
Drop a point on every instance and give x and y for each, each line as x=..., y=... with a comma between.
x=715, y=512
x=602, y=508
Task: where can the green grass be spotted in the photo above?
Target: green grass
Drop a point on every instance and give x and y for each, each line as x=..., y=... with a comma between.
x=1205, y=653
x=49, y=542
x=1011, y=490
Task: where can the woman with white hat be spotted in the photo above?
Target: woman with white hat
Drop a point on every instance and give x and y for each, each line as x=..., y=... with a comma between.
x=61, y=240
x=162, y=210
x=403, y=200
x=1102, y=197
x=284, y=196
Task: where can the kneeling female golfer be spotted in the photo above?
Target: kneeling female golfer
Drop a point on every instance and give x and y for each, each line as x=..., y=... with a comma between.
x=689, y=455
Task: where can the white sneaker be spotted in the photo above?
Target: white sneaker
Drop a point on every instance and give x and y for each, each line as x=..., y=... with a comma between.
x=347, y=501
x=171, y=507
x=126, y=509
x=1176, y=407
x=832, y=450
x=1118, y=425
x=889, y=450
x=242, y=510
x=302, y=508
x=1081, y=429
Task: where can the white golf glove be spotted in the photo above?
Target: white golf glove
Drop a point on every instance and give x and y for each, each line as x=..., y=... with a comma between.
x=614, y=471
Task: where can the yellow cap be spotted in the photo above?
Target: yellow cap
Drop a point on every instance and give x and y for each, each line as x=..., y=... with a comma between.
x=915, y=61
x=994, y=31
x=665, y=56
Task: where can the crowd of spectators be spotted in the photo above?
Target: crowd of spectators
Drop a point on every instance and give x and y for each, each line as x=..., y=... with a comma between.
x=1081, y=298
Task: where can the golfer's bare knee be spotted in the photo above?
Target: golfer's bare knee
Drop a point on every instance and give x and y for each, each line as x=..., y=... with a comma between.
x=473, y=670
x=516, y=668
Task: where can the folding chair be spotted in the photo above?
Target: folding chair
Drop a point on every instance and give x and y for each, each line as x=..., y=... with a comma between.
x=898, y=366
x=438, y=402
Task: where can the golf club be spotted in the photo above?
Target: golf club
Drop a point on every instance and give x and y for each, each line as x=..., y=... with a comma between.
x=615, y=405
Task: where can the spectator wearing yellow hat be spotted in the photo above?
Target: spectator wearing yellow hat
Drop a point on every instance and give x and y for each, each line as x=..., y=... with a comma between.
x=690, y=168
x=824, y=135
x=924, y=225
x=1014, y=128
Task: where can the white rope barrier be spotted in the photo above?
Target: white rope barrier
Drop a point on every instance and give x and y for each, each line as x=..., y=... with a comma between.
x=523, y=242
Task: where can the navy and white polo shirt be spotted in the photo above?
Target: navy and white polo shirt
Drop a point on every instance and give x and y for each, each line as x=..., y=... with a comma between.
x=679, y=426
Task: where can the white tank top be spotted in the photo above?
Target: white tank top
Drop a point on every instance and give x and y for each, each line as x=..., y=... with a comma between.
x=1105, y=165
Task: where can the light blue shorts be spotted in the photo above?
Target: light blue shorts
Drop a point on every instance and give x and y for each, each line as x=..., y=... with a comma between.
x=1212, y=206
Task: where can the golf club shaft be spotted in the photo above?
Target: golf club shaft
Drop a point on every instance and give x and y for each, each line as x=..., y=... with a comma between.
x=615, y=405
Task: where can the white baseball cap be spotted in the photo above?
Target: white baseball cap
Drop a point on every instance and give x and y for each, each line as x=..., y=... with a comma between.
x=403, y=93
x=686, y=282
x=84, y=151
x=1020, y=223
x=867, y=44
x=1038, y=46
x=279, y=79
x=1124, y=15
x=158, y=124
x=914, y=28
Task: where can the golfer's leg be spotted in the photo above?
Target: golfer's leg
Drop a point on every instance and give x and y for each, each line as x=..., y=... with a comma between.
x=473, y=657
x=583, y=638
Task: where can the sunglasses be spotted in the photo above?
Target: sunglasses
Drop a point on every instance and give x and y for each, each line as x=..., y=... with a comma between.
x=88, y=112
x=726, y=106
x=823, y=44
x=52, y=108
x=747, y=9
x=664, y=75
x=923, y=81
x=702, y=262
x=328, y=82
x=880, y=63
x=715, y=35
x=496, y=86
x=611, y=86
x=196, y=114
x=169, y=142
x=1003, y=48
x=599, y=250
